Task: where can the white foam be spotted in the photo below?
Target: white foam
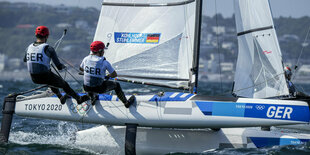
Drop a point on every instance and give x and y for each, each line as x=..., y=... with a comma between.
x=102, y=139
x=64, y=136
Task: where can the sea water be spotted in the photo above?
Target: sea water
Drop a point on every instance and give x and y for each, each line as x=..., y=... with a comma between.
x=38, y=136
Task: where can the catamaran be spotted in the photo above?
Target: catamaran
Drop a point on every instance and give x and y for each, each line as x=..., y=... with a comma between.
x=157, y=43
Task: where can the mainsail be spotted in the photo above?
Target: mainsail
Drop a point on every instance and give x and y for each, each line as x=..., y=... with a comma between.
x=151, y=41
x=259, y=70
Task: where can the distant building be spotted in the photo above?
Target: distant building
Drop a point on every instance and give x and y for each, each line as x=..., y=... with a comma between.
x=214, y=62
x=2, y=62
x=63, y=25
x=305, y=44
x=81, y=24
x=227, y=67
x=206, y=38
x=15, y=63
x=228, y=45
x=218, y=29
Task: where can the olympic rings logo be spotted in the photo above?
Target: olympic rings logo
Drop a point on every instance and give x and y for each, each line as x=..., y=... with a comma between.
x=260, y=107
x=79, y=108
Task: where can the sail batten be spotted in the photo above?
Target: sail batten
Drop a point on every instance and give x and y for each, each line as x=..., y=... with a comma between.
x=150, y=44
x=259, y=69
x=254, y=30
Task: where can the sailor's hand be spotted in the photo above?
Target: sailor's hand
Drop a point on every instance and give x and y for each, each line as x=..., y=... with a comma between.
x=81, y=73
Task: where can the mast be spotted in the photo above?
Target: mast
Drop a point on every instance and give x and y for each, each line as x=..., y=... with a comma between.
x=195, y=66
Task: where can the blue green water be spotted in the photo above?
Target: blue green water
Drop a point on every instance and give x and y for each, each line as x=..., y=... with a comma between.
x=38, y=136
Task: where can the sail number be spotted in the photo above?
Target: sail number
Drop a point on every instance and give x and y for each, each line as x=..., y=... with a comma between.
x=43, y=107
x=279, y=112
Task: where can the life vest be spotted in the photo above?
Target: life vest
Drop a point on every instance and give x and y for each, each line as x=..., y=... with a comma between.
x=37, y=60
x=94, y=70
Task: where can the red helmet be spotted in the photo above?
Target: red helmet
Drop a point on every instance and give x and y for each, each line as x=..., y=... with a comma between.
x=96, y=46
x=42, y=30
x=288, y=71
x=287, y=68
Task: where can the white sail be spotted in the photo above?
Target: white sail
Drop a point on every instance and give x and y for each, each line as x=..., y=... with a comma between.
x=151, y=41
x=259, y=72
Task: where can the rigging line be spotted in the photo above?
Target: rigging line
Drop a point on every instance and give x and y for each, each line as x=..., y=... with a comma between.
x=218, y=45
x=68, y=63
x=71, y=65
x=116, y=19
x=74, y=77
x=56, y=45
x=28, y=91
x=64, y=60
x=302, y=49
x=56, y=70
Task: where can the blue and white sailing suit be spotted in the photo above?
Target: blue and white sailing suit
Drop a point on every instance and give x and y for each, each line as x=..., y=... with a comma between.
x=95, y=68
x=291, y=87
x=38, y=57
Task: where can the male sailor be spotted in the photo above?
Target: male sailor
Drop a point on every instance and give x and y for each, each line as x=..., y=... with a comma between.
x=291, y=87
x=288, y=75
x=94, y=67
x=38, y=56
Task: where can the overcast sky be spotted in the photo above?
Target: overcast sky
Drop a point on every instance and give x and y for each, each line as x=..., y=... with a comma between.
x=286, y=8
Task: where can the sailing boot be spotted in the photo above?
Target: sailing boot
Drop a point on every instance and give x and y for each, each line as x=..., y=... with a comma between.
x=130, y=101
x=93, y=97
x=56, y=91
x=64, y=98
x=81, y=99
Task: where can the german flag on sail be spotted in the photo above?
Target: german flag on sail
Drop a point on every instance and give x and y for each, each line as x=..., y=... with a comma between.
x=153, y=38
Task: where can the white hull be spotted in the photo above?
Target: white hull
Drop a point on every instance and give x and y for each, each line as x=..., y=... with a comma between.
x=110, y=140
x=173, y=110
